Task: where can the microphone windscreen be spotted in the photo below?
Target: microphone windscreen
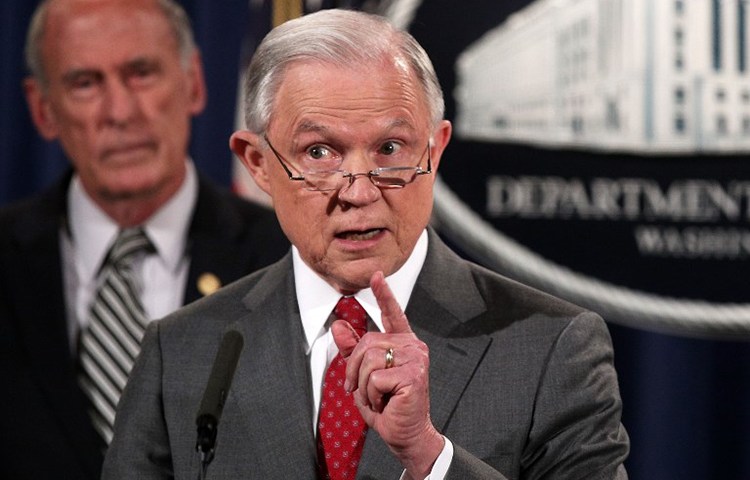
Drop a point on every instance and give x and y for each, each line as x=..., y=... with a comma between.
x=221, y=375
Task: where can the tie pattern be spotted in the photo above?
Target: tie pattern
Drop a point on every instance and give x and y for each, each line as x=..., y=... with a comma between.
x=341, y=429
x=110, y=343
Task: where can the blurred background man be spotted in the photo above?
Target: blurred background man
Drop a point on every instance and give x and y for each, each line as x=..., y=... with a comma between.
x=131, y=233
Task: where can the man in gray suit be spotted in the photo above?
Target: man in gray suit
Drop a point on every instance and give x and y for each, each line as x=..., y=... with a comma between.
x=461, y=373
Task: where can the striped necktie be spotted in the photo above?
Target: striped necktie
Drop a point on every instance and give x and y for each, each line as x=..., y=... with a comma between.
x=111, y=341
x=341, y=428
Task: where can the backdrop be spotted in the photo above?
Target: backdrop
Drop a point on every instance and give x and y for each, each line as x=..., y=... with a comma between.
x=600, y=153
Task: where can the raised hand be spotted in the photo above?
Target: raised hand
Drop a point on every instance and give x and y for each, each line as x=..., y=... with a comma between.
x=395, y=401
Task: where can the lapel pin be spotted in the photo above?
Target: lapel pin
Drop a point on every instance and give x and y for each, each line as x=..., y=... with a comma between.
x=208, y=283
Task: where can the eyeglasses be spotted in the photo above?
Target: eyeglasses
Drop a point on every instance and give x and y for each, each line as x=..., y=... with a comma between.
x=383, y=177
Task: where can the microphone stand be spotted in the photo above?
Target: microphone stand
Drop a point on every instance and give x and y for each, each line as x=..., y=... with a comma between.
x=214, y=397
x=205, y=445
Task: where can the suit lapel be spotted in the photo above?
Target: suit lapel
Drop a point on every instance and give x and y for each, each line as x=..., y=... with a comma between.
x=212, y=243
x=439, y=316
x=276, y=406
x=228, y=238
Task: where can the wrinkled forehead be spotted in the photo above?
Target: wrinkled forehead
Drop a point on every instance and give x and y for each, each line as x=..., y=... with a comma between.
x=381, y=90
x=68, y=18
x=363, y=78
x=92, y=32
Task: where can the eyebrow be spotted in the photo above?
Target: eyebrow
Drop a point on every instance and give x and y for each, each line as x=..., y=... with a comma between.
x=140, y=62
x=136, y=62
x=70, y=76
x=309, y=126
x=400, y=122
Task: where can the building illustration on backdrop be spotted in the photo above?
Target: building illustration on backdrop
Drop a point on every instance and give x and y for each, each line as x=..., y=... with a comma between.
x=628, y=75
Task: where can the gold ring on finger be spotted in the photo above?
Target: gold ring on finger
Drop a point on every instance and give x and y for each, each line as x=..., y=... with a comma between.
x=389, y=358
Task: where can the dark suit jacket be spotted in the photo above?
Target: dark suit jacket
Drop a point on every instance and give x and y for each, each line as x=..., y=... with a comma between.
x=522, y=383
x=46, y=432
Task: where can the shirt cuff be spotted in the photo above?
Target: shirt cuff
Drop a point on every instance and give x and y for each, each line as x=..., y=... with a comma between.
x=442, y=463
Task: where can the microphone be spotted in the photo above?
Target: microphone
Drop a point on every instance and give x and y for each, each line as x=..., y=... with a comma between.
x=217, y=388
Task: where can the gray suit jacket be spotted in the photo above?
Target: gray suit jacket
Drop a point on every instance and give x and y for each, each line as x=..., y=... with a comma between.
x=522, y=383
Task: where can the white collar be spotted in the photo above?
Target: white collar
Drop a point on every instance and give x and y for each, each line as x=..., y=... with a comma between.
x=317, y=298
x=93, y=232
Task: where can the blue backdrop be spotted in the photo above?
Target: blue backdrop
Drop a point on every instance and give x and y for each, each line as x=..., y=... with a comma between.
x=686, y=400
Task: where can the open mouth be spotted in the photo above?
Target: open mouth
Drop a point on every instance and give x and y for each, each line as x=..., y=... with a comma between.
x=359, y=235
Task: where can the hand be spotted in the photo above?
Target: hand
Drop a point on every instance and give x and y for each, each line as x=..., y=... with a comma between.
x=394, y=401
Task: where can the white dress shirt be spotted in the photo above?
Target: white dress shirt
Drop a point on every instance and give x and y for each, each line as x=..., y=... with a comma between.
x=90, y=233
x=317, y=300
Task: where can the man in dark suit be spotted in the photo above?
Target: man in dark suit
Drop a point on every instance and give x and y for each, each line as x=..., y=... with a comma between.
x=117, y=83
x=447, y=370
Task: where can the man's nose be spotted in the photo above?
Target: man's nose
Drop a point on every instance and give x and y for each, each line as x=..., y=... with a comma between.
x=120, y=103
x=359, y=189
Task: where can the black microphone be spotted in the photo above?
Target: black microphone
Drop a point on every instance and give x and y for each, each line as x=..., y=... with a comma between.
x=216, y=392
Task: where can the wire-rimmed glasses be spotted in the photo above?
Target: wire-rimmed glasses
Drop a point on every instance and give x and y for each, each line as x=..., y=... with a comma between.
x=382, y=177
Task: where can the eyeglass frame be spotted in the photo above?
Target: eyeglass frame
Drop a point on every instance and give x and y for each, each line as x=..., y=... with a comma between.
x=353, y=176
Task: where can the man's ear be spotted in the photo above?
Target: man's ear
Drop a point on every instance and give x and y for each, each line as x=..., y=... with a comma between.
x=440, y=139
x=246, y=145
x=197, y=84
x=40, y=109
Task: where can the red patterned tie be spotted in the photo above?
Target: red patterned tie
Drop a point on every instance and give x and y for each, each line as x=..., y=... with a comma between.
x=341, y=429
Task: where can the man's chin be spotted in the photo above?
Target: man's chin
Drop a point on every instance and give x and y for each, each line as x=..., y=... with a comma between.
x=129, y=190
x=356, y=276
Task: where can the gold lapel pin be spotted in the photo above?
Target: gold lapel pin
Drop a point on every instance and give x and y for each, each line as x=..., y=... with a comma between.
x=208, y=283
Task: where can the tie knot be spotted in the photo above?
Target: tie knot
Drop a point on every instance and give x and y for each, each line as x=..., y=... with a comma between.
x=128, y=242
x=349, y=309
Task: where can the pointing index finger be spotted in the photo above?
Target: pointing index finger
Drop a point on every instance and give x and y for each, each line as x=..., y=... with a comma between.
x=394, y=320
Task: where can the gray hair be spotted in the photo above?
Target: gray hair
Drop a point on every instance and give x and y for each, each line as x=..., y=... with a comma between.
x=339, y=37
x=173, y=12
